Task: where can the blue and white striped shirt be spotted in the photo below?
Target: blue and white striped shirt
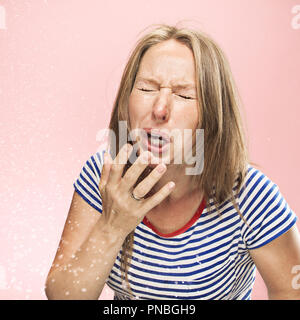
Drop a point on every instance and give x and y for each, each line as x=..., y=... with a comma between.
x=209, y=258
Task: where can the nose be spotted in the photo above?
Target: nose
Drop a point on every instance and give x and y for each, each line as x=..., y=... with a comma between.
x=161, y=107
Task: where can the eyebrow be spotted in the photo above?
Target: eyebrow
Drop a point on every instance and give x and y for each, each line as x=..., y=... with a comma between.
x=184, y=85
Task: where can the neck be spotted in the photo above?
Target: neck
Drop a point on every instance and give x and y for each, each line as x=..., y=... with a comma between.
x=184, y=189
x=180, y=206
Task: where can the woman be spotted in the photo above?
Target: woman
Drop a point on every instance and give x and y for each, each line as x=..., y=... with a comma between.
x=163, y=233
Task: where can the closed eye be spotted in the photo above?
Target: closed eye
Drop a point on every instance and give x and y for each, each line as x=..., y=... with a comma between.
x=182, y=96
x=185, y=97
x=146, y=90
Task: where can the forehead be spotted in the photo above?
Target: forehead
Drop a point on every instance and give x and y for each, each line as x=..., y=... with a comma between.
x=168, y=61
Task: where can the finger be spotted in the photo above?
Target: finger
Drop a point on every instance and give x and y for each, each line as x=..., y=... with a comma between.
x=147, y=184
x=118, y=164
x=133, y=173
x=105, y=171
x=158, y=197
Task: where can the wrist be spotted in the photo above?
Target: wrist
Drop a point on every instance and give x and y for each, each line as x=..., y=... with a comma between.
x=113, y=234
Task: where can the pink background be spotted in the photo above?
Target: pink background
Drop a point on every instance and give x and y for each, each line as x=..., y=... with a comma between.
x=60, y=66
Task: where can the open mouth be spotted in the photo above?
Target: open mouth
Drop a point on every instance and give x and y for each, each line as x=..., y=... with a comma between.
x=155, y=142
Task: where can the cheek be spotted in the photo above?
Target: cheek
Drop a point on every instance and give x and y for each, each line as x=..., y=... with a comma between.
x=189, y=117
x=133, y=109
x=196, y=116
x=137, y=108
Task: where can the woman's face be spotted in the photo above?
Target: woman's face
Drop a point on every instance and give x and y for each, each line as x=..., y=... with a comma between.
x=164, y=98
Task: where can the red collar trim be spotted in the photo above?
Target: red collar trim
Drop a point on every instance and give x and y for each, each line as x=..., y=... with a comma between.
x=181, y=230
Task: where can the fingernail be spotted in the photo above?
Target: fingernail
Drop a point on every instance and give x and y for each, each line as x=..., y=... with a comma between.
x=161, y=168
x=129, y=147
x=171, y=185
x=145, y=155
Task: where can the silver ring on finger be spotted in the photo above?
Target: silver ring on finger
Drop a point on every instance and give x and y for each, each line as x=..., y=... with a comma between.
x=135, y=197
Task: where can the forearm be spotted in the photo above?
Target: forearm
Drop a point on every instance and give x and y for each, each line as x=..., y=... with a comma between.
x=290, y=295
x=85, y=274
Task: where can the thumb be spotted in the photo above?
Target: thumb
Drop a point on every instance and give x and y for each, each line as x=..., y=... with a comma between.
x=105, y=170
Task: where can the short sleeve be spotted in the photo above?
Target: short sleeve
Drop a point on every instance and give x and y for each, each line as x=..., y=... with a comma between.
x=265, y=210
x=87, y=184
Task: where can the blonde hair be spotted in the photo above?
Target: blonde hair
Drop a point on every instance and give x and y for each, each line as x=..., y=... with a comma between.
x=225, y=149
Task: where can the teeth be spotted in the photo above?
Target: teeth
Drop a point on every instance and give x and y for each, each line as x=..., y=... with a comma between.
x=155, y=141
x=154, y=136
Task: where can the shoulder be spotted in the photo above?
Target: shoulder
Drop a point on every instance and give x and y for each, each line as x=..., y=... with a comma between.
x=93, y=166
x=87, y=182
x=264, y=208
x=96, y=160
x=255, y=184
